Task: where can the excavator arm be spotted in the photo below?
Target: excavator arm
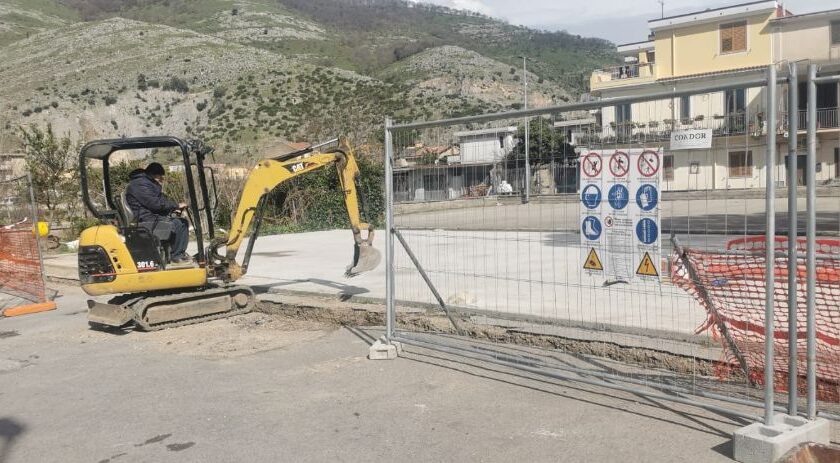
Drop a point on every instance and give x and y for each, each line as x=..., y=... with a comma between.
x=270, y=173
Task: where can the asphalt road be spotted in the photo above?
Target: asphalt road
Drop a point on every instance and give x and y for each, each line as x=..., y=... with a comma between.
x=257, y=388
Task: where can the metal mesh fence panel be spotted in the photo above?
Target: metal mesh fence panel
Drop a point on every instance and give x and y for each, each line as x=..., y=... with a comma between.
x=517, y=268
x=21, y=270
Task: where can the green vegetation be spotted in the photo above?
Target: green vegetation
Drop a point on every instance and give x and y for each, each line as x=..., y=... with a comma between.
x=51, y=161
x=242, y=74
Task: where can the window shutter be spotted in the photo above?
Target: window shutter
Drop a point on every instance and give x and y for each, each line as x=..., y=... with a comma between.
x=835, y=33
x=725, y=39
x=739, y=37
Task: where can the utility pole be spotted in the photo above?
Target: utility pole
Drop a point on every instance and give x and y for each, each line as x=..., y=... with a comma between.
x=527, y=133
x=662, y=5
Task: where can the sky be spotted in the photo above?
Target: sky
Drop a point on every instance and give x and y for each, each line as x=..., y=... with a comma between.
x=619, y=21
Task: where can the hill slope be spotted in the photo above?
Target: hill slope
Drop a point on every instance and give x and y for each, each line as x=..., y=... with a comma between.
x=240, y=72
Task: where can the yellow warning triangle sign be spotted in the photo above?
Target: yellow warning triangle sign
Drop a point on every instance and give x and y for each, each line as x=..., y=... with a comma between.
x=593, y=262
x=647, y=268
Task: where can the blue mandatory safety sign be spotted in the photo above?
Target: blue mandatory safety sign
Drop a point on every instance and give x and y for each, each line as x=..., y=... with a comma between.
x=591, y=228
x=647, y=197
x=590, y=196
x=647, y=231
x=618, y=196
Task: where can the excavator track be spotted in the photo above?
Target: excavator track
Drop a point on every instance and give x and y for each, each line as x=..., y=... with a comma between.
x=163, y=311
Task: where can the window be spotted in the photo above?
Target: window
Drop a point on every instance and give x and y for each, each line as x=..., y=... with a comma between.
x=668, y=168
x=623, y=118
x=740, y=164
x=733, y=37
x=623, y=114
x=736, y=101
x=685, y=109
x=835, y=32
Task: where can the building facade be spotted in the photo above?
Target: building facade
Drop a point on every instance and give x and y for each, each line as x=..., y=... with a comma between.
x=725, y=45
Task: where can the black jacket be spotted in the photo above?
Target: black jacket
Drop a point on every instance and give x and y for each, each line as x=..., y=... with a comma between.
x=146, y=199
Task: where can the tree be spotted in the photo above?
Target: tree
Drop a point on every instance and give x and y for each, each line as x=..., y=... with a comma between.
x=53, y=164
x=545, y=143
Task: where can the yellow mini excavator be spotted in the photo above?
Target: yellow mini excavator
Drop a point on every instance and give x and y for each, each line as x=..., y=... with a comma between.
x=131, y=260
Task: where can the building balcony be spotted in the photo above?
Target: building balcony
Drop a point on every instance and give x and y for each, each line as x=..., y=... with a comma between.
x=618, y=76
x=827, y=119
x=660, y=131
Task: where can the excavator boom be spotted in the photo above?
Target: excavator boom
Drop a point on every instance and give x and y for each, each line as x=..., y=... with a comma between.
x=267, y=175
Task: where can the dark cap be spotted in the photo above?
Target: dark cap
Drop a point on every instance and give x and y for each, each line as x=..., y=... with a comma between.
x=155, y=170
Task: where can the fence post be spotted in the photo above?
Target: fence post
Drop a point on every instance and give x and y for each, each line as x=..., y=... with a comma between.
x=793, y=227
x=811, y=233
x=37, y=230
x=390, y=309
x=527, y=134
x=770, y=259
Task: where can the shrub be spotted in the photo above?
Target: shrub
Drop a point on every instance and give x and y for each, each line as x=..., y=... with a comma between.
x=176, y=84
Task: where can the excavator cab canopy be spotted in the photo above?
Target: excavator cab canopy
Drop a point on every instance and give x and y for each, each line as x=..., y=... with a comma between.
x=193, y=153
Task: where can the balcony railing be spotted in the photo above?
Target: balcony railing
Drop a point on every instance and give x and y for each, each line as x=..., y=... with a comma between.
x=656, y=131
x=827, y=118
x=627, y=71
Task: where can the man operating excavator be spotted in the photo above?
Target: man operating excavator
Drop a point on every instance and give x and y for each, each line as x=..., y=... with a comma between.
x=153, y=209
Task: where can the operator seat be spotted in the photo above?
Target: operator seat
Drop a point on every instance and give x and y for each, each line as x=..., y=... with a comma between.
x=161, y=230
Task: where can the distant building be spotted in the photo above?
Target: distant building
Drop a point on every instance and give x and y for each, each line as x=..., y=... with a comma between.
x=485, y=146
x=12, y=165
x=470, y=168
x=729, y=44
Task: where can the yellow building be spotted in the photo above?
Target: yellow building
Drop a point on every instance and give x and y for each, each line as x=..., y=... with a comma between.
x=723, y=45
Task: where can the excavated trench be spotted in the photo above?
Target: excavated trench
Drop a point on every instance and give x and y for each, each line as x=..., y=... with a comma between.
x=434, y=322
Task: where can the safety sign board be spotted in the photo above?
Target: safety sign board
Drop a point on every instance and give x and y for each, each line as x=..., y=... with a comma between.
x=591, y=165
x=647, y=267
x=590, y=196
x=619, y=196
x=591, y=228
x=647, y=231
x=619, y=164
x=647, y=197
x=648, y=163
x=593, y=262
x=620, y=229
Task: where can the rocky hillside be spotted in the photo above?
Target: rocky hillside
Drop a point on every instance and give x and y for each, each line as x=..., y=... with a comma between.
x=241, y=72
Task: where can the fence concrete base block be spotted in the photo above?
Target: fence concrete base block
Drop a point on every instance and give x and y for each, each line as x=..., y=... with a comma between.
x=758, y=443
x=383, y=351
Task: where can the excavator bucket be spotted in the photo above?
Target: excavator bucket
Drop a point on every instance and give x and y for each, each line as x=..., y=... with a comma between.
x=365, y=259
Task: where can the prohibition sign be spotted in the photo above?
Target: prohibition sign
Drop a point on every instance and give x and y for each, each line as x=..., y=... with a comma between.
x=592, y=164
x=649, y=163
x=619, y=164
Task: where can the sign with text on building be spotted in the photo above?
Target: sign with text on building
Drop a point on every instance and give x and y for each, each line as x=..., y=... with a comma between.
x=620, y=228
x=692, y=139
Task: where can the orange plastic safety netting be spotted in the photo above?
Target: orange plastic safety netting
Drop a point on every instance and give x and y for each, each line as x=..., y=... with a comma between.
x=731, y=287
x=20, y=264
